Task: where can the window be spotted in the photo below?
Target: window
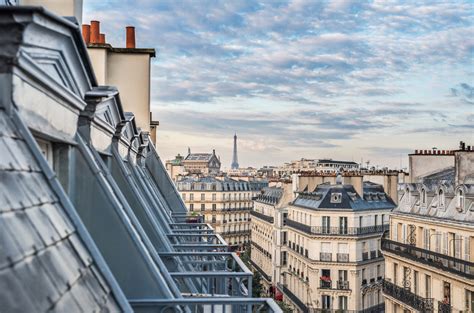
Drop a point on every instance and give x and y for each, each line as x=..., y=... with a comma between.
x=441, y=198
x=376, y=220
x=395, y=273
x=343, y=225
x=342, y=302
x=415, y=282
x=326, y=224
x=213, y=197
x=214, y=207
x=460, y=200
x=191, y=207
x=427, y=286
x=184, y=196
x=423, y=196
x=191, y=197
x=203, y=207
x=213, y=218
x=203, y=196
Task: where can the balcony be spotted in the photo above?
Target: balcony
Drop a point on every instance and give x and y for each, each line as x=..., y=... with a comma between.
x=444, y=307
x=373, y=254
x=406, y=296
x=325, y=284
x=431, y=258
x=365, y=256
x=337, y=231
x=261, y=271
x=343, y=285
x=287, y=292
x=325, y=257
x=261, y=216
x=343, y=257
x=373, y=309
x=236, y=232
x=205, y=304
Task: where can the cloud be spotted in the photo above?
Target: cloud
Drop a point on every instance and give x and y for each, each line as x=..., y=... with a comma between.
x=463, y=91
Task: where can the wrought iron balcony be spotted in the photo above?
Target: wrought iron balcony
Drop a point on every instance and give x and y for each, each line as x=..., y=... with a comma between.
x=406, y=296
x=236, y=232
x=325, y=284
x=325, y=257
x=287, y=292
x=434, y=259
x=261, y=249
x=343, y=257
x=337, y=231
x=373, y=309
x=261, y=216
x=261, y=271
x=343, y=284
x=205, y=304
x=444, y=307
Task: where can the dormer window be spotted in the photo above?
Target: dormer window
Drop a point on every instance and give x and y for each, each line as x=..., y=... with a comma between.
x=460, y=200
x=336, y=197
x=441, y=198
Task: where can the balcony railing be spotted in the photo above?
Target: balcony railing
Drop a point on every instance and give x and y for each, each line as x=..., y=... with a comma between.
x=373, y=254
x=424, y=256
x=205, y=304
x=373, y=309
x=236, y=232
x=261, y=271
x=343, y=257
x=343, y=284
x=325, y=284
x=264, y=217
x=338, y=231
x=325, y=257
x=287, y=292
x=406, y=296
x=444, y=307
x=365, y=256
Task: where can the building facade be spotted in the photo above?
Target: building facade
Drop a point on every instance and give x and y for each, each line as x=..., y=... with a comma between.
x=334, y=259
x=429, y=254
x=225, y=203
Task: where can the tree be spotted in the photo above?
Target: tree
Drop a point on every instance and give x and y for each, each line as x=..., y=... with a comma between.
x=257, y=286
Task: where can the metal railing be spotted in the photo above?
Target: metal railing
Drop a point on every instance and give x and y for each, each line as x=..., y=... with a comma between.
x=261, y=249
x=434, y=259
x=342, y=257
x=213, y=273
x=373, y=309
x=343, y=284
x=262, y=272
x=325, y=284
x=325, y=257
x=236, y=232
x=205, y=304
x=444, y=307
x=365, y=256
x=406, y=296
x=264, y=217
x=339, y=231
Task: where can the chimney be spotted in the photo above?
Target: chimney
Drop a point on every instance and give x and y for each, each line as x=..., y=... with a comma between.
x=102, y=39
x=95, y=32
x=130, y=37
x=86, y=33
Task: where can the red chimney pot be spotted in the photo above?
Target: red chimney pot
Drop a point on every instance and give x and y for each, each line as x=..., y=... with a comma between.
x=130, y=41
x=102, y=39
x=86, y=33
x=95, y=32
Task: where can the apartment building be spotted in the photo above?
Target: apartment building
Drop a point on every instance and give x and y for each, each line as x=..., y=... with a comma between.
x=225, y=203
x=429, y=254
x=269, y=236
x=334, y=258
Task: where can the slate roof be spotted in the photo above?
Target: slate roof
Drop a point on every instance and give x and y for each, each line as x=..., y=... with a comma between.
x=335, y=161
x=345, y=197
x=44, y=264
x=201, y=157
x=270, y=195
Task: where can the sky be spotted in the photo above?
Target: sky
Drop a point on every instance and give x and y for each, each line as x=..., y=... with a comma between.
x=350, y=80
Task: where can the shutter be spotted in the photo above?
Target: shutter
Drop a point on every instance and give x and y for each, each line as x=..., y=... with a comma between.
x=404, y=233
x=395, y=231
x=467, y=248
x=426, y=236
x=445, y=244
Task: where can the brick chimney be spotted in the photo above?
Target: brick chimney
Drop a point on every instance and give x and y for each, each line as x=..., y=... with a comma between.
x=95, y=32
x=86, y=33
x=102, y=39
x=130, y=37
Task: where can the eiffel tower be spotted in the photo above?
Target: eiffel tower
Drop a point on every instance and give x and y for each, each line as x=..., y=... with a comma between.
x=235, y=162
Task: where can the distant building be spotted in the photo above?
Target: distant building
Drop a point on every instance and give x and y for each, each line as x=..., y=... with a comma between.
x=225, y=203
x=175, y=167
x=429, y=258
x=202, y=163
x=330, y=166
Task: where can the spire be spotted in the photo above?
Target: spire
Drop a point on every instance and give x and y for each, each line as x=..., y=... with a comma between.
x=189, y=150
x=235, y=162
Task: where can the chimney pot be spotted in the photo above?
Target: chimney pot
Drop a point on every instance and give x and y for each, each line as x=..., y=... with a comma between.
x=102, y=39
x=86, y=33
x=130, y=30
x=95, y=32
x=416, y=151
